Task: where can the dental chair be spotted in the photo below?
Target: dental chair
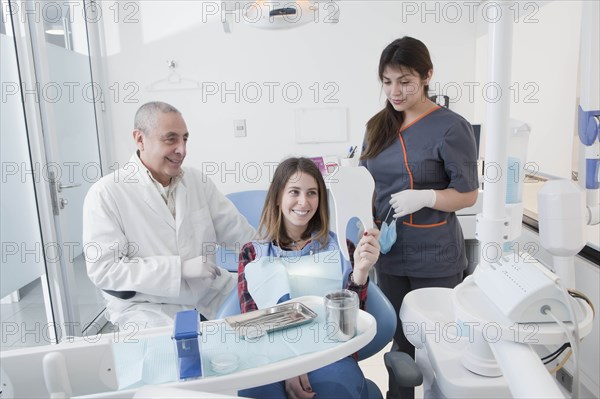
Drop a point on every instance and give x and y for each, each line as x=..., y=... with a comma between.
x=399, y=364
x=250, y=204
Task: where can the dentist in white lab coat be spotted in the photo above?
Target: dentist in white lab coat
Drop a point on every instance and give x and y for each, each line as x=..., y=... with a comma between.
x=150, y=229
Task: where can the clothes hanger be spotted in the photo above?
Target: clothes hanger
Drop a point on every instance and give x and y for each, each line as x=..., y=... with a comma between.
x=174, y=81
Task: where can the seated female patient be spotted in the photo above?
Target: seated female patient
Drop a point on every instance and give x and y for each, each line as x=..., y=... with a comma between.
x=294, y=236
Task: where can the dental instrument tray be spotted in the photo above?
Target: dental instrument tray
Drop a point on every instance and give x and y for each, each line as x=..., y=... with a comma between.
x=260, y=322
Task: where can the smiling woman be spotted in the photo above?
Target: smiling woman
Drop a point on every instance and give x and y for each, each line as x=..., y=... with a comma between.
x=299, y=202
x=297, y=199
x=423, y=159
x=299, y=256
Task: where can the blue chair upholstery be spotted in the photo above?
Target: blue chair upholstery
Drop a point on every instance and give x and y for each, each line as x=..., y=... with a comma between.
x=250, y=204
x=230, y=307
x=383, y=311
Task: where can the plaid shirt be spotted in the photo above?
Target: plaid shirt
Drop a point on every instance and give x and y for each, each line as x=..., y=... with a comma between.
x=248, y=254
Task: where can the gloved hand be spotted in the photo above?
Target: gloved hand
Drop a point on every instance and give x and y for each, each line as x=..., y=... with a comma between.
x=409, y=201
x=199, y=268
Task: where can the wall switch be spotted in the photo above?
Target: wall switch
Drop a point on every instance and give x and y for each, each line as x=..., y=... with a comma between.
x=239, y=128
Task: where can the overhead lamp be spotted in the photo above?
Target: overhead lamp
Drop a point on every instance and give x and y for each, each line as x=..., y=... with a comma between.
x=282, y=14
x=279, y=15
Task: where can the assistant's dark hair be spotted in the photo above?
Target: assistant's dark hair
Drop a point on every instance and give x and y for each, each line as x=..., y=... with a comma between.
x=271, y=225
x=409, y=53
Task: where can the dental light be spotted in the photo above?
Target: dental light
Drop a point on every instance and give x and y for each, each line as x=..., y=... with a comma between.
x=276, y=14
x=264, y=14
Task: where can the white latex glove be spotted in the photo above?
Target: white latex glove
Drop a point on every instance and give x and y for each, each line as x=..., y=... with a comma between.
x=199, y=268
x=409, y=201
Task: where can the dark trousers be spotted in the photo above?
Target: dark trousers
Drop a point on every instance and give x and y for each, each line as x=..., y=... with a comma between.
x=395, y=288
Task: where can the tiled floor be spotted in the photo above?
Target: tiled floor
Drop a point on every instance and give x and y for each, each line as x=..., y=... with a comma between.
x=24, y=323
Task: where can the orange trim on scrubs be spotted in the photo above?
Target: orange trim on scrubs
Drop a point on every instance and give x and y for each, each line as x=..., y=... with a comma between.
x=410, y=175
x=425, y=226
x=419, y=118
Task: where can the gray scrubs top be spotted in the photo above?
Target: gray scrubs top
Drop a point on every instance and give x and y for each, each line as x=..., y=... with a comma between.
x=436, y=152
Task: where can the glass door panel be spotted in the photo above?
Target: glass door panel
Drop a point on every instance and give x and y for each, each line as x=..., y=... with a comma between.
x=52, y=116
x=67, y=100
x=25, y=311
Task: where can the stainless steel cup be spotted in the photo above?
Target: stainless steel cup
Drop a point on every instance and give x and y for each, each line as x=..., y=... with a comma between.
x=341, y=312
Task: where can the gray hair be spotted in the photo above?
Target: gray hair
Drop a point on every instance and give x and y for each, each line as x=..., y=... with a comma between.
x=146, y=116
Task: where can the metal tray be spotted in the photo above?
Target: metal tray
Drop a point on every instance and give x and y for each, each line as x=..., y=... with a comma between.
x=260, y=322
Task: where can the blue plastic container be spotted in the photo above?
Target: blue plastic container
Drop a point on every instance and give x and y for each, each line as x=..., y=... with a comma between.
x=185, y=335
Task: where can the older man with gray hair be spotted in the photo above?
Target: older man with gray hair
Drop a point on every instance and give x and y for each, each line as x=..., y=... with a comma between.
x=154, y=226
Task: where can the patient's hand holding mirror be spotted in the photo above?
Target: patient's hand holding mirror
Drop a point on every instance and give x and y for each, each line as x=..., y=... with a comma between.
x=352, y=191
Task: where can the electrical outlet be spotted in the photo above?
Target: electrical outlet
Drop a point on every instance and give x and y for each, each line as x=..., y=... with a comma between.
x=565, y=379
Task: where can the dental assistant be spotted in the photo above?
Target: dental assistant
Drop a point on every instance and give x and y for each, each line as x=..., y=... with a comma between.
x=423, y=160
x=150, y=229
x=296, y=256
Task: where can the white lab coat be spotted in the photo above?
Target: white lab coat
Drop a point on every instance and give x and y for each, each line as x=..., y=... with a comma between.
x=133, y=243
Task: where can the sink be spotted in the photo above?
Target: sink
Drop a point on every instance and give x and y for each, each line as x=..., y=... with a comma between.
x=427, y=311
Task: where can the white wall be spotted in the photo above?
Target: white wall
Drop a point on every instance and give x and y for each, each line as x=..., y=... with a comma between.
x=343, y=55
x=544, y=76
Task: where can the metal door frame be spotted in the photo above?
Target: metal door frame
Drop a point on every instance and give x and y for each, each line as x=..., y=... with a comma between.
x=58, y=295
